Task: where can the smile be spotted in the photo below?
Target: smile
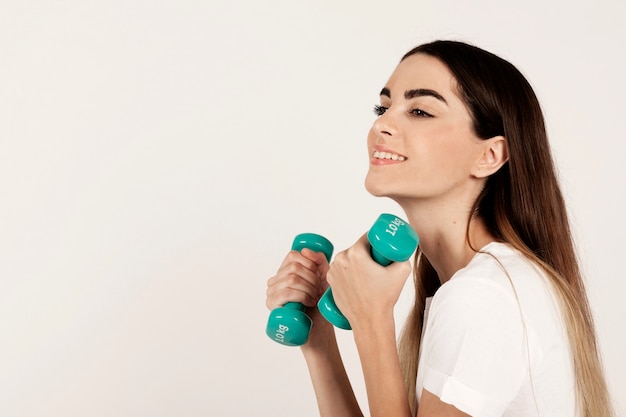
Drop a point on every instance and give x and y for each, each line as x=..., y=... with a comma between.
x=388, y=155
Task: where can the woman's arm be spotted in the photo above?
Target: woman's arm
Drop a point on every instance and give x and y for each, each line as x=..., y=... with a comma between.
x=366, y=293
x=383, y=378
x=432, y=406
x=376, y=344
x=334, y=393
x=302, y=278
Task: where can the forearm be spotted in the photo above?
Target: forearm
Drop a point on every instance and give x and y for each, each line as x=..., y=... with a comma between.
x=334, y=393
x=386, y=393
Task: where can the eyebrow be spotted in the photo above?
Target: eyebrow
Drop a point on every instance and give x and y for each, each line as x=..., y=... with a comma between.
x=418, y=92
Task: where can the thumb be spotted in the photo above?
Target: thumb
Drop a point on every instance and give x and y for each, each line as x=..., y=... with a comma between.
x=320, y=261
x=318, y=257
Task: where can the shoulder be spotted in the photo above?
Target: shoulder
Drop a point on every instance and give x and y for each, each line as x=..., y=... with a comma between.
x=487, y=281
x=496, y=271
x=473, y=344
x=486, y=327
x=483, y=303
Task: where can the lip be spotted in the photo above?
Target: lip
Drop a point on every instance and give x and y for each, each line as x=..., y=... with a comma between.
x=385, y=161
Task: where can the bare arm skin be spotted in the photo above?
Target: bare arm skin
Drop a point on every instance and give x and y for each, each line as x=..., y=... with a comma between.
x=302, y=278
x=376, y=343
x=432, y=406
x=366, y=293
x=334, y=393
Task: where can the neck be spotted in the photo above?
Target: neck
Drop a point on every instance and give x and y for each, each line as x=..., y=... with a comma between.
x=449, y=239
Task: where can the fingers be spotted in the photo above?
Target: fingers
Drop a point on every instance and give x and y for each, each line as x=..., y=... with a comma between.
x=298, y=279
x=357, y=254
x=361, y=285
x=290, y=287
x=322, y=267
x=402, y=268
x=317, y=257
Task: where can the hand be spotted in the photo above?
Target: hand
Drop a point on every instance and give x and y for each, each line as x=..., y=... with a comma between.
x=363, y=290
x=301, y=278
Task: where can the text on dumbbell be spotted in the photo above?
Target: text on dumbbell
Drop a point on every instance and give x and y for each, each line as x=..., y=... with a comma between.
x=280, y=333
x=392, y=227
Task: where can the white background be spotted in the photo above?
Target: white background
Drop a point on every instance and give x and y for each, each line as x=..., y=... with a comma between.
x=157, y=158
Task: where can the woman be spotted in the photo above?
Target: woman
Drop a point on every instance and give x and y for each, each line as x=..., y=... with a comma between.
x=501, y=324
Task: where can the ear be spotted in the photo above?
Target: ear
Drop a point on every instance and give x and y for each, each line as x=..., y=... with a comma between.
x=494, y=154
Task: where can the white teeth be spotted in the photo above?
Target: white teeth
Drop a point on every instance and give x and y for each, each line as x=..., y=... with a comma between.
x=388, y=155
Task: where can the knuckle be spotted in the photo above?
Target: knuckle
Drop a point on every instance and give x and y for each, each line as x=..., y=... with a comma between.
x=289, y=294
x=271, y=281
x=293, y=268
x=330, y=277
x=292, y=279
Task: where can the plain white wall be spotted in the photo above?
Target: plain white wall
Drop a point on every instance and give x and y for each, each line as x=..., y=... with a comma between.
x=157, y=158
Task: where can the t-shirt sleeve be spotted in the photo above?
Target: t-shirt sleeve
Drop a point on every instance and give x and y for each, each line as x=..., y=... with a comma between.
x=474, y=349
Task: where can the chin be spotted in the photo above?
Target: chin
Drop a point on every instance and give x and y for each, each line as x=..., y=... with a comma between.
x=375, y=188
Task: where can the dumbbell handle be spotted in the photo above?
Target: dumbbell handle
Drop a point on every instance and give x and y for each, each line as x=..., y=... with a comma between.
x=391, y=240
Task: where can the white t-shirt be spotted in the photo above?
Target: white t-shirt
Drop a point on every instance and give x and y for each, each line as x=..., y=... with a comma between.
x=490, y=355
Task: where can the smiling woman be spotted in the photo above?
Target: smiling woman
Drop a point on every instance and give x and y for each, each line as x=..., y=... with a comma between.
x=501, y=324
x=422, y=116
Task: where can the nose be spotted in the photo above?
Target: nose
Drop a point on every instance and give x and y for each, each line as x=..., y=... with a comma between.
x=385, y=125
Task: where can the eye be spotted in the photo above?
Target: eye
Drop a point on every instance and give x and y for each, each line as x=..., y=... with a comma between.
x=420, y=113
x=379, y=110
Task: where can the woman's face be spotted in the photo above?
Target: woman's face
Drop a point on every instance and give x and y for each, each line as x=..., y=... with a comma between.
x=422, y=145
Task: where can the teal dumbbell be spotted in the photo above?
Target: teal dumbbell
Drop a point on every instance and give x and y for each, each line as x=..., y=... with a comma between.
x=392, y=240
x=289, y=324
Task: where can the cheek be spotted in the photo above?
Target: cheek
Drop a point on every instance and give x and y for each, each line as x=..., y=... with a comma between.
x=454, y=156
x=445, y=154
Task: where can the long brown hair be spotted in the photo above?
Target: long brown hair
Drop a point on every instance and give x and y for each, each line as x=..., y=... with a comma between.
x=521, y=204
